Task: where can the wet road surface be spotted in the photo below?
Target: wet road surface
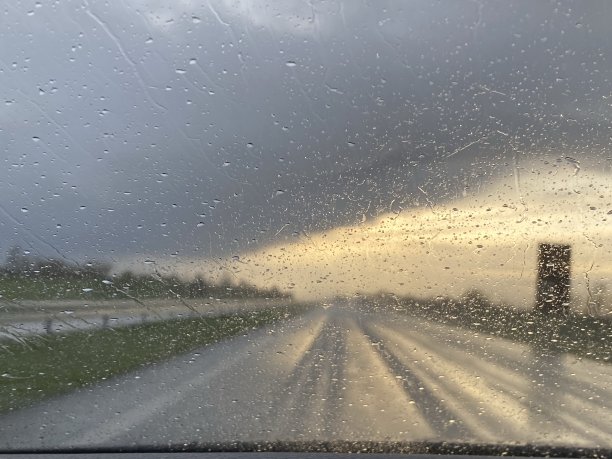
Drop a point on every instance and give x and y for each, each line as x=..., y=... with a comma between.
x=65, y=316
x=335, y=374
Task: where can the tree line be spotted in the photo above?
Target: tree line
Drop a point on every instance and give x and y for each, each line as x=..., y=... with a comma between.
x=27, y=276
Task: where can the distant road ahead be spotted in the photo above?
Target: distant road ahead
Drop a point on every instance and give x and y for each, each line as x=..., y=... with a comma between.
x=336, y=374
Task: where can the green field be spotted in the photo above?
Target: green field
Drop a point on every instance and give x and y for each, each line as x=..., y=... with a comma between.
x=27, y=288
x=69, y=286
x=53, y=364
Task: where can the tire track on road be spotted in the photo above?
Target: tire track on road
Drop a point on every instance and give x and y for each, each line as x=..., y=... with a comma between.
x=443, y=421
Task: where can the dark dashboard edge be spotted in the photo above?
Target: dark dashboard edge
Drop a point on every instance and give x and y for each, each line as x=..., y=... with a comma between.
x=338, y=447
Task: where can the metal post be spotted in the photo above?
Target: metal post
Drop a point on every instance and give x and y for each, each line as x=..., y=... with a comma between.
x=553, y=283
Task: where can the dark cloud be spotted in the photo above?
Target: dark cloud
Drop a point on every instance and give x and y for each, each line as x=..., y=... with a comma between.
x=136, y=130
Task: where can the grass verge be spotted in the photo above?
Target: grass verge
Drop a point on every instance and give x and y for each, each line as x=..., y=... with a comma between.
x=49, y=365
x=580, y=335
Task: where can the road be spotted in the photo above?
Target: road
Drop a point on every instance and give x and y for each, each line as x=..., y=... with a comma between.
x=18, y=320
x=335, y=374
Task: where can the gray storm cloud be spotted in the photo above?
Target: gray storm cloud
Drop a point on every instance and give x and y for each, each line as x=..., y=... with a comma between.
x=133, y=129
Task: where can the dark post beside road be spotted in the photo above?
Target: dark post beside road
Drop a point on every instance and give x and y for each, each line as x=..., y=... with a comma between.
x=553, y=283
x=552, y=295
x=551, y=312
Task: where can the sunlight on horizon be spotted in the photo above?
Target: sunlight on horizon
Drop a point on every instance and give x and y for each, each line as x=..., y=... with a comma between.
x=486, y=241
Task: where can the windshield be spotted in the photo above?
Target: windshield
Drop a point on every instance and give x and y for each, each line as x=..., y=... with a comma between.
x=295, y=223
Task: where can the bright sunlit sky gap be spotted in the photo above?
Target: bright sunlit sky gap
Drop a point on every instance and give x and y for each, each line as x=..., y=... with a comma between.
x=486, y=240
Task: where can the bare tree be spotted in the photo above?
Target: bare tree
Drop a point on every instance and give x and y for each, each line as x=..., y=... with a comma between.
x=16, y=260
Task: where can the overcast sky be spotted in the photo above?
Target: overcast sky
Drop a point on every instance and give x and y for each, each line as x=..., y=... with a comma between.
x=133, y=130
